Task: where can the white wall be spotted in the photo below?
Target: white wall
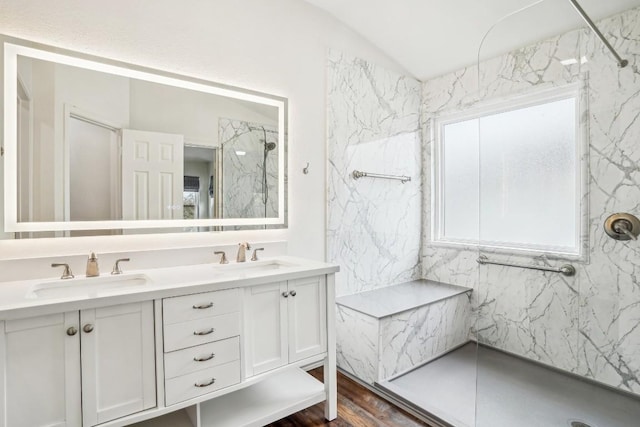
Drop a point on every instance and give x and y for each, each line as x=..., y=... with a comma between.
x=275, y=46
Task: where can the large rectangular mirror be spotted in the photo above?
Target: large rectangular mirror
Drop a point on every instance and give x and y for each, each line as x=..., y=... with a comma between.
x=92, y=144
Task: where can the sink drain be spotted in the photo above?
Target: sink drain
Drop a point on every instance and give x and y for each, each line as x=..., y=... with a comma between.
x=576, y=423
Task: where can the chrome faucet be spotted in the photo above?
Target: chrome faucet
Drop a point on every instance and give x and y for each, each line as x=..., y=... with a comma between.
x=242, y=248
x=92, y=266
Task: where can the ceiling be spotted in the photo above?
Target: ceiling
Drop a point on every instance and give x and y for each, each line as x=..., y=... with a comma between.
x=431, y=37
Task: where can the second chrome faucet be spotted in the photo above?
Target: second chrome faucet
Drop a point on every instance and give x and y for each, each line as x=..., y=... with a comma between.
x=242, y=251
x=92, y=266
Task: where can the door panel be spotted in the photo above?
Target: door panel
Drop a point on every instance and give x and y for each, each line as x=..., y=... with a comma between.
x=118, y=362
x=266, y=328
x=152, y=175
x=307, y=318
x=42, y=372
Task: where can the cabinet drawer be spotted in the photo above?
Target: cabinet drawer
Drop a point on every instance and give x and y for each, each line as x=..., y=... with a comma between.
x=198, y=306
x=185, y=361
x=195, y=332
x=184, y=388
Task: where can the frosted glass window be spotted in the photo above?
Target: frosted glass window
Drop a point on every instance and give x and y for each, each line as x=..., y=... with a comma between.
x=511, y=178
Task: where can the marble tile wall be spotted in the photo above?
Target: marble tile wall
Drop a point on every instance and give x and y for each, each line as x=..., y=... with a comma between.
x=373, y=228
x=373, y=225
x=588, y=324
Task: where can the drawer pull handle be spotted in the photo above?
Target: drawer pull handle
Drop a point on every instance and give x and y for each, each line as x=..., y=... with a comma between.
x=204, y=359
x=207, y=384
x=203, y=306
x=207, y=332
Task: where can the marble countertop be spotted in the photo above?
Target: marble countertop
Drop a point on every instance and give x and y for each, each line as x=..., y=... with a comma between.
x=383, y=302
x=18, y=299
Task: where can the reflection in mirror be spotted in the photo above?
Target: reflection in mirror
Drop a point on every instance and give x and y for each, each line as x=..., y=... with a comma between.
x=250, y=169
x=114, y=150
x=199, y=198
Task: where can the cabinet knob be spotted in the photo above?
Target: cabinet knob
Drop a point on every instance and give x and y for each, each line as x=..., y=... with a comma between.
x=88, y=328
x=285, y=294
x=292, y=293
x=72, y=331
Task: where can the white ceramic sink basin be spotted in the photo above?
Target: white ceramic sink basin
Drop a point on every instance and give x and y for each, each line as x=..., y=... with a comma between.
x=255, y=267
x=86, y=285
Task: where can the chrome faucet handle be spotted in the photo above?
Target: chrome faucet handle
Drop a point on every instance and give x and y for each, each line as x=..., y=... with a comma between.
x=223, y=258
x=254, y=257
x=116, y=266
x=66, y=274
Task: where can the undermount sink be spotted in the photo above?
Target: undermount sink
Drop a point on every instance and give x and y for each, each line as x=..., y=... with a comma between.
x=86, y=285
x=256, y=266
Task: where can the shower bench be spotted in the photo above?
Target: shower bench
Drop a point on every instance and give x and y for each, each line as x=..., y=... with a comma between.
x=386, y=332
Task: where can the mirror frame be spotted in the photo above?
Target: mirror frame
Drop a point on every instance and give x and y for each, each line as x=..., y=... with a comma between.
x=12, y=48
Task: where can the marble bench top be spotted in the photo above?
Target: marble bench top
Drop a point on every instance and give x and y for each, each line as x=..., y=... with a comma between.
x=383, y=302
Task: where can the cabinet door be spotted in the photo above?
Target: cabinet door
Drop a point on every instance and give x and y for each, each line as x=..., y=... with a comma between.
x=118, y=361
x=266, y=327
x=41, y=372
x=307, y=318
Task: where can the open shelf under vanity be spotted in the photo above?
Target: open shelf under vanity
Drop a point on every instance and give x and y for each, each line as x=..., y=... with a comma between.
x=264, y=402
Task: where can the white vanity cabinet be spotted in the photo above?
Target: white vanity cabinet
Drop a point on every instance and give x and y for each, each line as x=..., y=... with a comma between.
x=206, y=345
x=285, y=322
x=78, y=368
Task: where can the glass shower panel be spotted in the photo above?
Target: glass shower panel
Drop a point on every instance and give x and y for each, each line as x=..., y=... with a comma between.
x=555, y=161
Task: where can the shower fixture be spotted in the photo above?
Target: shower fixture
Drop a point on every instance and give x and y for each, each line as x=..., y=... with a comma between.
x=268, y=146
x=621, y=62
x=622, y=226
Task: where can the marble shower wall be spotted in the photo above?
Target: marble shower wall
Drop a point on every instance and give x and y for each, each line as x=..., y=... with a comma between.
x=588, y=324
x=243, y=193
x=373, y=228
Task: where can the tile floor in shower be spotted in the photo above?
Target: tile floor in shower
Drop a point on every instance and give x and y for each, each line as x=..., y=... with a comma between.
x=510, y=392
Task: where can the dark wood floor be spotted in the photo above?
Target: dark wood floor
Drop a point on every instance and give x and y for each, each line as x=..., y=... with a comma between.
x=357, y=407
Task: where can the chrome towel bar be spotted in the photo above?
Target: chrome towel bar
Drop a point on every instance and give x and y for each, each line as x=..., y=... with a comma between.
x=358, y=174
x=566, y=269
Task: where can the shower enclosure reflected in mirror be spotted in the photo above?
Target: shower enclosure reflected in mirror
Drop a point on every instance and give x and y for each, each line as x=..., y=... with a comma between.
x=95, y=145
